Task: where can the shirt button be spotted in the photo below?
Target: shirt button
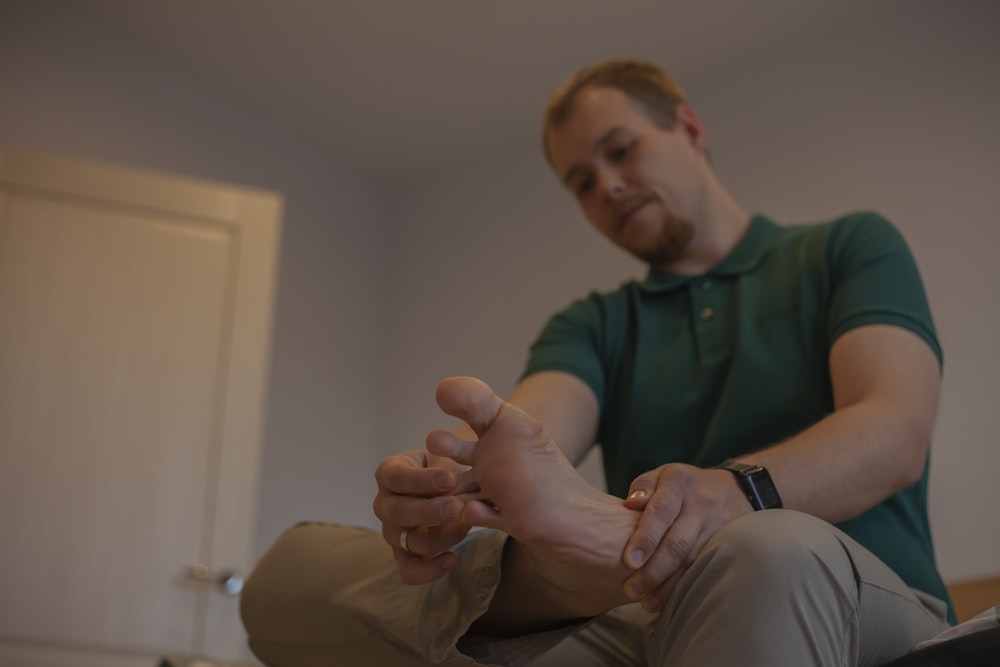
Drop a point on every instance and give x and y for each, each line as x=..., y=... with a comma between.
x=707, y=313
x=706, y=283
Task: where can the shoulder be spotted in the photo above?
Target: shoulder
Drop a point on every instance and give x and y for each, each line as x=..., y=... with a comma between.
x=843, y=227
x=849, y=238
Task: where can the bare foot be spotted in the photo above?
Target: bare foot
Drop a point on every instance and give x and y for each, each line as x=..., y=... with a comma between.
x=568, y=533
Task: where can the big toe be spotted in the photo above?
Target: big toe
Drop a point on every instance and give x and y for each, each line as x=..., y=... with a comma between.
x=469, y=399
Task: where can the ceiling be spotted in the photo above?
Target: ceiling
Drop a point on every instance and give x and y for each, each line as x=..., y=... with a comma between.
x=398, y=88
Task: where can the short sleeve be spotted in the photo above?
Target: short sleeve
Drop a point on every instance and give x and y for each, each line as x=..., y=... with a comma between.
x=875, y=280
x=571, y=342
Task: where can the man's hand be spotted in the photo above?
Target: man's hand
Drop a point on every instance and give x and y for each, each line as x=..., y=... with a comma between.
x=426, y=493
x=418, y=490
x=682, y=508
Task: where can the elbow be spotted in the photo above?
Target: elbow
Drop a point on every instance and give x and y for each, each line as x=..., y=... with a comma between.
x=912, y=459
x=906, y=435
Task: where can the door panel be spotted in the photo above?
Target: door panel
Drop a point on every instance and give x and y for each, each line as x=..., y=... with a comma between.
x=133, y=348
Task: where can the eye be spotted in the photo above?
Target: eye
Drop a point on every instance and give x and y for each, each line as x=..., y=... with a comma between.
x=619, y=152
x=584, y=186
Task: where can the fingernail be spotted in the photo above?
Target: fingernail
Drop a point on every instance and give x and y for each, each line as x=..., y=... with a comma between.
x=449, y=512
x=637, y=494
x=635, y=591
x=636, y=558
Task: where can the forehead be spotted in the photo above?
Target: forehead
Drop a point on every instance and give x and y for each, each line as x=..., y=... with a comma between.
x=593, y=114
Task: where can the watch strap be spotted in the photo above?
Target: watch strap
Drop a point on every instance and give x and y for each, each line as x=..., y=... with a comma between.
x=756, y=483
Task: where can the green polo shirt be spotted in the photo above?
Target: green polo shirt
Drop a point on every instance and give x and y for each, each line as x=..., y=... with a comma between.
x=702, y=368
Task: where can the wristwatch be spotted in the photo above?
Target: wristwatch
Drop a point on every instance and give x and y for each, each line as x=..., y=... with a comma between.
x=756, y=484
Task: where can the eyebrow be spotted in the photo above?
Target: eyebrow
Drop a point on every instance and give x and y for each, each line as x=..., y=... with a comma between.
x=605, y=138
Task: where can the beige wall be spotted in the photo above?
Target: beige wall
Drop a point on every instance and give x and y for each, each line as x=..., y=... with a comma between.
x=383, y=292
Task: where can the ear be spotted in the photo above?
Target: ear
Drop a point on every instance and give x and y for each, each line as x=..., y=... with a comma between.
x=689, y=123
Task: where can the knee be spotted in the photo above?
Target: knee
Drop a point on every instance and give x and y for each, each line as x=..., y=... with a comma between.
x=781, y=548
x=291, y=595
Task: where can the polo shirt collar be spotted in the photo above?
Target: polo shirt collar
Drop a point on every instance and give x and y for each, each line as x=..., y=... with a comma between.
x=760, y=237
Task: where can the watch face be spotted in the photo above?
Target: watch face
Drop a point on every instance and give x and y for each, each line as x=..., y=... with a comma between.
x=761, y=489
x=757, y=484
x=768, y=496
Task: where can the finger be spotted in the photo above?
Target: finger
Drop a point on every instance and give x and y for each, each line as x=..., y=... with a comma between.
x=407, y=474
x=398, y=511
x=470, y=400
x=656, y=519
x=675, y=553
x=443, y=443
x=443, y=538
x=467, y=487
x=641, y=490
x=429, y=540
x=418, y=570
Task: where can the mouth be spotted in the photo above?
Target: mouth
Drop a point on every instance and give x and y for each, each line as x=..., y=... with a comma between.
x=629, y=211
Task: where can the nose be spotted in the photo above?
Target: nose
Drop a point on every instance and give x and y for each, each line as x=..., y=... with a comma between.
x=611, y=184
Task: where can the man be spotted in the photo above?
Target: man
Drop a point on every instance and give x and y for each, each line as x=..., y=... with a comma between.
x=802, y=359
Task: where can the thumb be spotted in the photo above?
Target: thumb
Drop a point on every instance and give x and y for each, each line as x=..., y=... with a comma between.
x=640, y=490
x=470, y=400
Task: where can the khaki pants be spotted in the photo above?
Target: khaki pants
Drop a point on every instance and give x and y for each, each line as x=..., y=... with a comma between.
x=772, y=588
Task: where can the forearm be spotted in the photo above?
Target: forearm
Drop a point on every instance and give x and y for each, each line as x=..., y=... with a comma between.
x=886, y=382
x=849, y=461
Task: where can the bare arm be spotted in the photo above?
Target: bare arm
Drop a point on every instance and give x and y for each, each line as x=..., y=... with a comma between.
x=886, y=382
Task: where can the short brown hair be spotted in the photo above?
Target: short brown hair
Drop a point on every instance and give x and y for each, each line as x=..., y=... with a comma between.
x=657, y=92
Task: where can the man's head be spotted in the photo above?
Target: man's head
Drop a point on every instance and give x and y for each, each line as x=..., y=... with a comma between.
x=622, y=139
x=653, y=89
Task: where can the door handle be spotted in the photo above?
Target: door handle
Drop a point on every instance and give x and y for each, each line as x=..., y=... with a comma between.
x=229, y=581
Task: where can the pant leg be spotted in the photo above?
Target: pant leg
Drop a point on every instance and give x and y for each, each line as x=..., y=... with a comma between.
x=784, y=588
x=330, y=595
x=615, y=639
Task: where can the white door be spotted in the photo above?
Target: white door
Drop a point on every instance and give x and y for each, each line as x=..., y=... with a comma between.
x=135, y=316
